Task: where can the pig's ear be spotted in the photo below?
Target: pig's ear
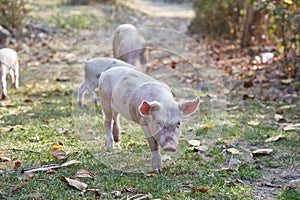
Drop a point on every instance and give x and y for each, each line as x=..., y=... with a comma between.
x=188, y=107
x=146, y=108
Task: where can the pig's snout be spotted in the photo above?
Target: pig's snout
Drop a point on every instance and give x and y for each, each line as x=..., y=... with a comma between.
x=169, y=148
x=169, y=145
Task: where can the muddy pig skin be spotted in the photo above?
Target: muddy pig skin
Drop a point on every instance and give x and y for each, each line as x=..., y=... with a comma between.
x=9, y=64
x=128, y=45
x=92, y=71
x=142, y=99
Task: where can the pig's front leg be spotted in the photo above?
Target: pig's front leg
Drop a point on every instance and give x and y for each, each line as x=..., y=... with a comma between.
x=12, y=78
x=154, y=147
x=91, y=88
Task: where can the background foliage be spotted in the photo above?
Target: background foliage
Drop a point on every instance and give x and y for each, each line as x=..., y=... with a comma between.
x=253, y=23
x=13, y=14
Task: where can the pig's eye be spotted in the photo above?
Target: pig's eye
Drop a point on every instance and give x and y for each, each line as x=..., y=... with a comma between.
x=160, y=123
x=178, y=124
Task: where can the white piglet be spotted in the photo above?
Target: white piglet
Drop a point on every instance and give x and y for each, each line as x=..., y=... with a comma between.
x=9, y=64
x=128, y=45
x=92, y=71
x=142, y=99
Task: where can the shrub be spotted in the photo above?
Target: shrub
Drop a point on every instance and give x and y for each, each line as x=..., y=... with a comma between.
x=216, y=18
x=13, y=14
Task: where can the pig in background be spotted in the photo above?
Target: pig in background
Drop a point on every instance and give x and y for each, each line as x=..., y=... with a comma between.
x=142, y=99
x=9, y=64
x=128, y=45
x=92, y=71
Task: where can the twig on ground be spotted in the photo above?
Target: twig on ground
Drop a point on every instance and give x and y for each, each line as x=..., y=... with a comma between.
x=140, y=197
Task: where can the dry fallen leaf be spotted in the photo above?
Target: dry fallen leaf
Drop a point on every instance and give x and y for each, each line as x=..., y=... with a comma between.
x=149, y=175
x=56, y=90
x=50, y=171
x=62, y=79
x=253, y=123
x=203, y=189
x=261, y=152
x=58, y=154
x=279, y=118
x=47, y=120
x=287, y=81
x=84, y=173
x=248, y=96
x=57, y=146
x=207, y=127
x=28, y=100
x=200, y=148
x=194, y=143
x=116, y=193
x=75, y=183
x=233, y=151
x=32, y=85
x=275, y=138
x=4, y=159
x=285, y=107
x=292, y=127
x=95, y=191
x=18, y=164
x=61, y=130
x=248, y=84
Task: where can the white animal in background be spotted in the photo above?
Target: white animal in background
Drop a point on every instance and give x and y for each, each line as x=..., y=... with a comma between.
x=9, y=64
x=128, y=45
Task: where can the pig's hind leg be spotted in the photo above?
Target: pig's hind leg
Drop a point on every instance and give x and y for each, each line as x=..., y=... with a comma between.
x=91, y=88
x=81, y=91
x=116, y=129
x=12, y=78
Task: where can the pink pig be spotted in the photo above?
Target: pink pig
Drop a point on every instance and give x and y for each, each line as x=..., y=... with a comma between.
x=142, y=99
x=128, y=45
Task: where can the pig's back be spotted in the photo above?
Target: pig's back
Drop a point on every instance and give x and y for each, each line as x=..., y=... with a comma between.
x=130, y=87
x=8, y=57
x=126, y=40
x=96, y=66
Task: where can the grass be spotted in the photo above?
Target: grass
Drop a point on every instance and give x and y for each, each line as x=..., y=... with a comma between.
x=52, y=108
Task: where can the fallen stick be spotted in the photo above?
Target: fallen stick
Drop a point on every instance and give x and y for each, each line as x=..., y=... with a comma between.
x=140, y=197
x=48, y=167
x=40, y=168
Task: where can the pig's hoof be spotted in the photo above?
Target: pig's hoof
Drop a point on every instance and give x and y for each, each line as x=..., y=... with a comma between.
x=157, y=167
x=110, y=148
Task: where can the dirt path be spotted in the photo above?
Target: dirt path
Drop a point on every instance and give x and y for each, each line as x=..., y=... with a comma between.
x=161, y=8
